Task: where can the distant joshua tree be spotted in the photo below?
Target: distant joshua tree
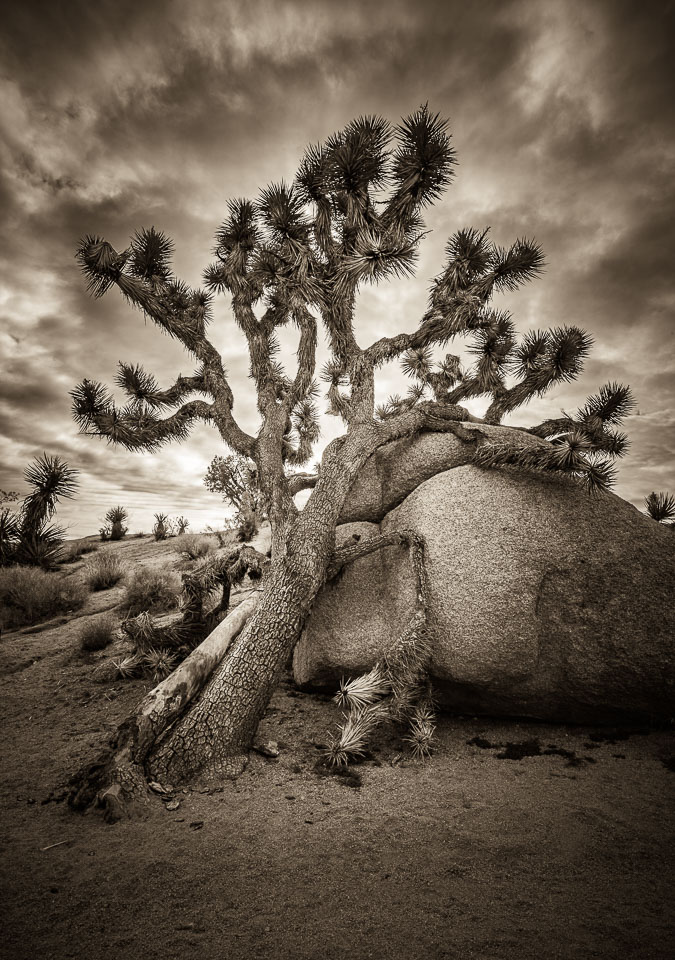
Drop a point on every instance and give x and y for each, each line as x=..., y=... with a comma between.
x=299, y=255
x=115, y=519
x=28, y=537
x=181, y=525
x=162, y=527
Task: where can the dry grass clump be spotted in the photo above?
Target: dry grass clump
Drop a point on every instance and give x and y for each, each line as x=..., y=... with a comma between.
x=98, y=634
x=194, y=545
x=152, y=589
x=103, y=571
x=29, y=595
x=75, y=551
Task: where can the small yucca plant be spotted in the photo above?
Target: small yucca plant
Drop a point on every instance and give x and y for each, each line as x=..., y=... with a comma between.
x=161, y=527
x=159, y=662
x=129, y=666
x=422, y=727
x=182, y=523
x=364, y=690
x=115, y=518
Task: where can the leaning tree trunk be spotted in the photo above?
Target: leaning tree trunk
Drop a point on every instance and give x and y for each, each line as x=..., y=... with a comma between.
x=213, y=737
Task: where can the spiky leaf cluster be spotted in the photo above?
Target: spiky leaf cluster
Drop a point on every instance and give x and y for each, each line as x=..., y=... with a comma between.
x=397, y=688
x=571, y=456
x=661, y=507
x=586, y=442
x=28, y=537
x=134, y=425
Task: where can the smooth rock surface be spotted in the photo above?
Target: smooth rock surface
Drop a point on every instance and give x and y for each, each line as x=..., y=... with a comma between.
x=355, y=612
x=545, y=602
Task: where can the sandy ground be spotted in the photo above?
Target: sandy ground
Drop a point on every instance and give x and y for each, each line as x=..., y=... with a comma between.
x=469, y=855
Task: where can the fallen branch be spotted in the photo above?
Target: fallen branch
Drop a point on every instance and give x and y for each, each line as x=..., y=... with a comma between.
x=58, y=843
x=170, y=697
x=116, y=779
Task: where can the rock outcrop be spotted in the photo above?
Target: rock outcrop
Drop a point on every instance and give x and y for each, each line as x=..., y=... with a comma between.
x=545, y=602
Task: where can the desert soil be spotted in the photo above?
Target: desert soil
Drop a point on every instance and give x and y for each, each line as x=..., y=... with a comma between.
x=471, y=854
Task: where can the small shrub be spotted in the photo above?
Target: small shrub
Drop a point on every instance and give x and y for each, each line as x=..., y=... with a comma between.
x=103, y=571
x=225, y=538
x=149, y=589
x=29, y=595
x=194, y=545
x=98, y=634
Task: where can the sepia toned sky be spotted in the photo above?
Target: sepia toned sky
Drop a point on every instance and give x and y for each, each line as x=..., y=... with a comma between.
x=115, y=116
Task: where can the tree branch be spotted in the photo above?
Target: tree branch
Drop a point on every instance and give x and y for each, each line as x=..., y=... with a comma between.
x=362, y=548
x=306, y=358
x=142, y=274
x=97, y=414
x=302, y=481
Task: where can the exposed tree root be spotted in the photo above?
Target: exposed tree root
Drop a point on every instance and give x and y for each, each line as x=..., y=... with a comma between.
x=398, y=687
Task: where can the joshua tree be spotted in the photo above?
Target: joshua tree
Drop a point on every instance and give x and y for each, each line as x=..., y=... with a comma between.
x=661, y=507
x=115, y=519
x=182, y=523
x=299, y=255
x=29, y=538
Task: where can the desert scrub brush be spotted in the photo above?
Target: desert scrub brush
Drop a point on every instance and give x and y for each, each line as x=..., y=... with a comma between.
x=364, y=690
x=354, y=733
x=422, y=727
x=159, y=662
x=129, y=666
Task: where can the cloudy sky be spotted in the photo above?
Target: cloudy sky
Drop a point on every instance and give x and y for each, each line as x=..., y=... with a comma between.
x=120, y=115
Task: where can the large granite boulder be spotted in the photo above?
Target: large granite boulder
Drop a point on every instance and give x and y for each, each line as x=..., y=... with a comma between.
x=545, y=602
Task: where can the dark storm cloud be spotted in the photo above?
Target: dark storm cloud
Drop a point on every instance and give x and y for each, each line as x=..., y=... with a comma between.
x=120, y=115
